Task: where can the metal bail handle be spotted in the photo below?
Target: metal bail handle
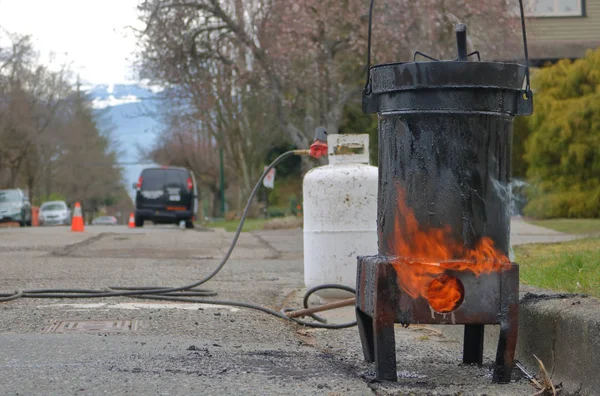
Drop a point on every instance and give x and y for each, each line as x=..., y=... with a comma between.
x=525, y=106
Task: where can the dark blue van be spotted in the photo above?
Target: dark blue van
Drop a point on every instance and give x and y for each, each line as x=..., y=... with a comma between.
x=166, y=195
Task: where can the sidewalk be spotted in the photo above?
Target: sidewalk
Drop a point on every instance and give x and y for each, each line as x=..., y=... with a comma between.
x=522, y=233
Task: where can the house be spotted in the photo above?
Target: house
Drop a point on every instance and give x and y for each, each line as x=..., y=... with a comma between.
x=558, y=29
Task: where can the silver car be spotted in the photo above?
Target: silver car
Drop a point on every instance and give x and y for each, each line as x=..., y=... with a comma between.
x=55, y=213
x=15, y=207
x=105, y=220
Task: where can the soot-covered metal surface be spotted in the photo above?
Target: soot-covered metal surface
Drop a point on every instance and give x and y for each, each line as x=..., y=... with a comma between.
x=445, y=136
x=453, y=170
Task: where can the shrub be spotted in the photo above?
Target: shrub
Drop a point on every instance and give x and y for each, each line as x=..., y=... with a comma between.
x=563, y=148
x=276, y=212
x=565, y=204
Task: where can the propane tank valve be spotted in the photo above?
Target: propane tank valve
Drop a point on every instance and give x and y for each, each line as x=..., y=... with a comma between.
x=319, y=147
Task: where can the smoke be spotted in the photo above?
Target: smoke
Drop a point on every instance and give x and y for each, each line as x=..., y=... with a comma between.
x=518, y=198
x=511, y=254
x=514, y=195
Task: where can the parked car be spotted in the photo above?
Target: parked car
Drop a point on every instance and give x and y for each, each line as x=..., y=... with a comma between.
x=105, y=220
x=55, y=213
x=166, y=195
x=15, y=207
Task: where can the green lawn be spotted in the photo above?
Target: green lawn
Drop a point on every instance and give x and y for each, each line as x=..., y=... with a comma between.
x=232, y=225
x=570, y=226
x=568, y=266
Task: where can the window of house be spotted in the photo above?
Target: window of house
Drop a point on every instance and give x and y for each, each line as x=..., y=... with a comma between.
x=555, y=8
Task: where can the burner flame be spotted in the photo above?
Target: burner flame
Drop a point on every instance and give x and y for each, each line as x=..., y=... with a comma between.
x=424, y=256
x=445, y=293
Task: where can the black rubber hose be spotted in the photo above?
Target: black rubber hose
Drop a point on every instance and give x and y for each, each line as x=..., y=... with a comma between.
x=124, y=291
x=280, y=315
x=11, y=296
x=179, y=293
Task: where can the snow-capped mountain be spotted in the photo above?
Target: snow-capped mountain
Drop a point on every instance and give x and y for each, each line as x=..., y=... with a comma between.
x=128, y=111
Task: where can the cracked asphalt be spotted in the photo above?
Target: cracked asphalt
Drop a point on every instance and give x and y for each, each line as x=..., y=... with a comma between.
x=179, y=348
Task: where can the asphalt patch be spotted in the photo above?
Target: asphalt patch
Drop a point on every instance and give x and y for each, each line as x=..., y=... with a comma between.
x=532, y=298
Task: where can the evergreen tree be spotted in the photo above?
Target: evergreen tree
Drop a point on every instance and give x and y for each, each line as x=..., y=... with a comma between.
x=563, y=150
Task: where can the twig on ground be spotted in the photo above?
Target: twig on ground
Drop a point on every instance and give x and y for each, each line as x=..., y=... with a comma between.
x=529, y=376
x=548, y=386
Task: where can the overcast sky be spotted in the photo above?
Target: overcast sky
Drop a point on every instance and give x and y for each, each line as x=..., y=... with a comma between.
x=91, y=34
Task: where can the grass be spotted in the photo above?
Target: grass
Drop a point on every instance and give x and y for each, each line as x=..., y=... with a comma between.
x=232, y=225
x=568, y=266
x=570, y=226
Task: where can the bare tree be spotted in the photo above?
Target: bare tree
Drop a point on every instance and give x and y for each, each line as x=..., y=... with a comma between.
x=49, y=140
x=255, y=73
x=309, y=53
x=31, y=97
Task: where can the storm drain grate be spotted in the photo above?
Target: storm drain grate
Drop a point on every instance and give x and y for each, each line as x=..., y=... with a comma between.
x=93, y=326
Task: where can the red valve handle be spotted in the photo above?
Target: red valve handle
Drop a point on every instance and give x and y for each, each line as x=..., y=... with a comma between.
x=318, y=149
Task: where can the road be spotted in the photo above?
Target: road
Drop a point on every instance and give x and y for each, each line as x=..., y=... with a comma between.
x=180, y=349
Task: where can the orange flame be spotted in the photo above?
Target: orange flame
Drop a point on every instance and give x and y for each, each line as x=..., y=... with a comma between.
x=438, y=251
x=445, y=293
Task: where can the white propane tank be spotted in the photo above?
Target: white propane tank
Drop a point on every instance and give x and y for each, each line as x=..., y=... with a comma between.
x=340, y=215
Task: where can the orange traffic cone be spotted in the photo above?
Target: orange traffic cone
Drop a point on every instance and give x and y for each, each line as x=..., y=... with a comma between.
x=77, y=221
x=131, y=221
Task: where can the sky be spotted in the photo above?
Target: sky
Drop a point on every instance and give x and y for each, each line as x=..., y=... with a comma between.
x=94, y=38
x=91, y=35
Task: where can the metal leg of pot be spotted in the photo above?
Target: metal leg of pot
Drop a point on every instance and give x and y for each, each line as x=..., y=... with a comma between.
x=365, y=330
x=507, y=343
x=473, y=344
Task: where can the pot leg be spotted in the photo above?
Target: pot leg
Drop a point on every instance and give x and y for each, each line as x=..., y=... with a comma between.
x=505, y=356
x=365, y=330
x=383, y=332
x=473, y=344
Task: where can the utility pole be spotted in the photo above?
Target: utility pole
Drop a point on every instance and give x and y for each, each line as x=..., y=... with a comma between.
x=222, y=181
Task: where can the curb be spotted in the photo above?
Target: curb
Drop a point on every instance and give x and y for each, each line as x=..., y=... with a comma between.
x=563, y=331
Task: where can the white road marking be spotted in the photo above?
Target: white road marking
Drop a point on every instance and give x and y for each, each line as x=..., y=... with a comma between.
x=141, y=305
x=76, y=306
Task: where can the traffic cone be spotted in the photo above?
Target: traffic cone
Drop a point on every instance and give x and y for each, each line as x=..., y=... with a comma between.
x=131, y=223
x=77, y=221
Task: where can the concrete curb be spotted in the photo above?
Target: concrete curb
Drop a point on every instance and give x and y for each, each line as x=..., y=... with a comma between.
x=563, y=331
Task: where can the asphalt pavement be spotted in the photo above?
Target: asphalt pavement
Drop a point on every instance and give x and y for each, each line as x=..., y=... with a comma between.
x=131, y=346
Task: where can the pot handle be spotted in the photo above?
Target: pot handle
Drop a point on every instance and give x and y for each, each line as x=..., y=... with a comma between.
x=527, y=92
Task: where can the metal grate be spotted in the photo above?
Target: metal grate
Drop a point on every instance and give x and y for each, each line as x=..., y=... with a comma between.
x=93, y=326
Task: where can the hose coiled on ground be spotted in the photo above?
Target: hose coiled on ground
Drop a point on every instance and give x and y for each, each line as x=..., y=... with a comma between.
x=190, y=293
